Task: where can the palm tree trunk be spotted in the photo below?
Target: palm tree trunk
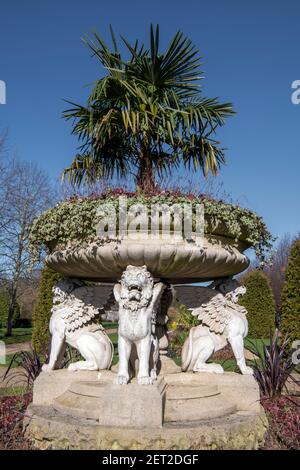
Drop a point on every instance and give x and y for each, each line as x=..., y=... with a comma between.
x=145, y=178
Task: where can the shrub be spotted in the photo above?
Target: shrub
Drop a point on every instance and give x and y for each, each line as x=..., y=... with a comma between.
x=4, y=303
x=28, y=367
x=42, y=311
x=24, y=323
x=274, y=367
x=284, y=424
x=290, y=307
x=185, y=318
x=260, y=304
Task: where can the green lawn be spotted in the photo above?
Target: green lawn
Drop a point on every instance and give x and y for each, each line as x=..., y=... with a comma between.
x=19, y=335
x=229, y=365
x=11, y=391
x=254, y=345
x=108, y=325
x=8, y=358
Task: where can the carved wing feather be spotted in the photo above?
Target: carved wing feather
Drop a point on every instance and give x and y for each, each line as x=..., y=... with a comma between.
x=214, y=313
x=84, y=304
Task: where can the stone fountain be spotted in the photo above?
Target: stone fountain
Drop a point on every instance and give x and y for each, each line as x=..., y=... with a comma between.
x=147, y=401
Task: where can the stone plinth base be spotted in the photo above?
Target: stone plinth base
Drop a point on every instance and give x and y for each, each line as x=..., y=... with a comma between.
x=48, y=429
x=86, y=410
x=109, y=404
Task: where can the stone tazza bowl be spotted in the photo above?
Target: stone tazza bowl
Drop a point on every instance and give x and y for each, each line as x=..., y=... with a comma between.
x=77, y=248
x=172, y=260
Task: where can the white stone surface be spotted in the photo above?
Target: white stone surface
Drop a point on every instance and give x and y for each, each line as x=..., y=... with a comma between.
x=174, y=261
x=137, y=297
x=112, y=405
x=223, y=321
x=240, y=390
x=75, y=307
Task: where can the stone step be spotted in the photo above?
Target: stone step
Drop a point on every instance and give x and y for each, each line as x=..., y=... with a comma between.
x=108, y=404
x=197, y=408
x=182, y=403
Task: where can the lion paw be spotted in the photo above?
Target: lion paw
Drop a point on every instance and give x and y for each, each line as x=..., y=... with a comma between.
x=247, y=370
x=211, y=368
x=121, y=380
x=145, y=380
x=153, y=374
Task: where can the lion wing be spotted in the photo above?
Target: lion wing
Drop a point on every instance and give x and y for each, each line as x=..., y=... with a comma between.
x=214, y=314
x=85, y=303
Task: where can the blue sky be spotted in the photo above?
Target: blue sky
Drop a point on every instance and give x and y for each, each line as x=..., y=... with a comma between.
x=251, y=55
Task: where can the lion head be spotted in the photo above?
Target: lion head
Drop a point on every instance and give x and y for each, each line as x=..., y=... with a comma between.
x=232, y=290
x=136, y=287
x=63, y=289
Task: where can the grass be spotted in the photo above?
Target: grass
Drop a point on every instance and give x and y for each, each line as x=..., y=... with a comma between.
x=114, y=339
x=8, y=358
x=19, y=335
x=253, y=344
x=229, y=365
x=12, y=391
x=108, y=325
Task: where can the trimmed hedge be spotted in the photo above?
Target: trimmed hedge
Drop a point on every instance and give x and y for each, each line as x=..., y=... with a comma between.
x=290, y=307
x=260, y=304
x=42, y=311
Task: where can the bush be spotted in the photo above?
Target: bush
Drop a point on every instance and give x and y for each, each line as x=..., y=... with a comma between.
x=42, y=311
x=274, y=366
x=260, y=304
x=290, y=307
x=24, y=323
x=4, y=303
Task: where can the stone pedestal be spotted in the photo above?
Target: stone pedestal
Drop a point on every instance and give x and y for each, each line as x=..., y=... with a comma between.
x=127, y=406
x=86, y=410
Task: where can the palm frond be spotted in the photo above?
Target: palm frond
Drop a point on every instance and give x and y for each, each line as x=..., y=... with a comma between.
x=147, y=105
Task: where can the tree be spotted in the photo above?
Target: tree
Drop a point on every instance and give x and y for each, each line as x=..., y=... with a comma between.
x=277, y=267
x=25, y=192
x=259, y=302
x=146, y=115
x=42, y=311
x=290, y=309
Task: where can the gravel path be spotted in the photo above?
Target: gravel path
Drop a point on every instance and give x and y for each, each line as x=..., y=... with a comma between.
x=17, y=347
x=12, y=349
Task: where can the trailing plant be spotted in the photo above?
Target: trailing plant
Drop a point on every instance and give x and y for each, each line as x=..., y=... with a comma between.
x=74, y=222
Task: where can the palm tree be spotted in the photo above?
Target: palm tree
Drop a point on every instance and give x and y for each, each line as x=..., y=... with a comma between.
x=146, y=115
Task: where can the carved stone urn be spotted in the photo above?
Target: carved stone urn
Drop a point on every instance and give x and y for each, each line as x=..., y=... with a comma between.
x=146, y=401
